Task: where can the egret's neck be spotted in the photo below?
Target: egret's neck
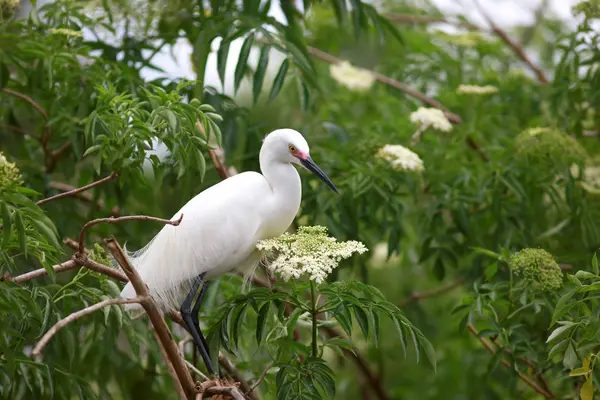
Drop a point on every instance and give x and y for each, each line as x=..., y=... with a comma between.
x=282, y=177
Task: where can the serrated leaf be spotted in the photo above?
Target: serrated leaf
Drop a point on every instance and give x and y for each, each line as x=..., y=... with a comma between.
x=259, y=74
x=587, y=389
x=279, y=79
x=558, y=332
x=595, y=265
x=91, y=150
x=580, y=371
x=362, y=319
x=261, y=321
x=570, y=360
x=222, y=55
x=242, y=65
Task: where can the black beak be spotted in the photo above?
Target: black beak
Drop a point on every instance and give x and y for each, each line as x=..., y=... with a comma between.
x=310, y=165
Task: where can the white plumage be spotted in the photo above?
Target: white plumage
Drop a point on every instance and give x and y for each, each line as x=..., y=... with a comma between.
x=221, y=225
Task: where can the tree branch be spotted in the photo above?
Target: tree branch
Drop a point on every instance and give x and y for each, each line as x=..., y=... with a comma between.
x=162, y=330
x=235, y=374
x=521, y=375
x=75, y=316
x=65, y=266
x=73, y=192
x=28, y=99
x=393, y=83
x=417, y=296
x=259, y=380
x=112, y=220
x=424, y=19
x=514, y=46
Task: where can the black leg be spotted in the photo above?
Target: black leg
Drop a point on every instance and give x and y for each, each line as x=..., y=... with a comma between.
x=196, y=311
x=191, y=321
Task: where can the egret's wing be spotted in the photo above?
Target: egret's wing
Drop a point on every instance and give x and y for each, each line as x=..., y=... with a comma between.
x=219, y=230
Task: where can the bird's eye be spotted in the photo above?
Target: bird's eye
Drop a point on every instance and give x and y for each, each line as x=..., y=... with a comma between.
x=292, y=149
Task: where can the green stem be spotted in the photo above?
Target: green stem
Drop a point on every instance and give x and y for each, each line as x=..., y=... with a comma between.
x=314, y=319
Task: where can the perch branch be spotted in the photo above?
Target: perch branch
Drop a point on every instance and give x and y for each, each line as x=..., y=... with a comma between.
x=112, y=220
x=75, y=316
x=74, y=192
x=514, y=46
x=162, y=330
x=84, y=196
x=170, y=367
x=417, y=296
x=521, y=375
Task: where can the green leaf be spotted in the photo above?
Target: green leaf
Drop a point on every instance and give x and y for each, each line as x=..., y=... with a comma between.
x=587, y=389
x=279, y=79
x=261, y=321
x=580, y=371
x=242, y=64
x=595, y=265
x=46, y=232
x=343, y=317
x=339, y=342
x=21, y=231
x=361, y=317
x=4, y=75
x=91, y=150
x=261, y=69
x=339, y=7
x=570, y=359
x=222, y=55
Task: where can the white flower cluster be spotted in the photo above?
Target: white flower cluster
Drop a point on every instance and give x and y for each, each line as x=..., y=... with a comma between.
x=66, y=32
x=401, y=158
x=431, y=117
x=353, y=78
x=308, y=252
x=477, y=90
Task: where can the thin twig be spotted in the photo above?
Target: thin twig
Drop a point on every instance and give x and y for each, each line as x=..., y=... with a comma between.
x=73, y=192
x=260, y=379
x=424, y=19
x=393, y=83
x=514, y=46
x=65, y=266
x=76, y=315
x=112, y=220
x=162, y=330
x=28, y=99
x=195, y=370
x=235, y=374
x=417, y=296
x=521, y=375
x=102, y=269
x=230, y=391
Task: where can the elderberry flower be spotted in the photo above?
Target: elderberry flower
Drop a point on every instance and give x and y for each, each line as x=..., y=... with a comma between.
x=353, y=78
x=537, y=267
x=401, y=158
x=476, y=90
x=431, y=117
x=9, y=174
x=99, y=255
x=308, y=252
x=547, y=145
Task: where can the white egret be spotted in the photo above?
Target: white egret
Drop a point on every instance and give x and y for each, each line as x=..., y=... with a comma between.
x=220, y=229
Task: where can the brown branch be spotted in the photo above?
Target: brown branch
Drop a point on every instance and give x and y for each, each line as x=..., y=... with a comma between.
x=162, y=330
x=514, y=46
x=221, y=170
x=475, y=146
x=112, y=220
x=73, y=192
x=259, y=380
x=102, y=269
x=417, y=296
x=84, y=196
x=219, y=387
x=75, y=316
x=171, y=369
x=65, y=266
x=423, y=19
x=28, y=99
x=521, y=375
x=393, y=83
x=235, y=374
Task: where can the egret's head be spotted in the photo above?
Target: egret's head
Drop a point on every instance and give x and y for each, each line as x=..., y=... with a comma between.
x=289, y=146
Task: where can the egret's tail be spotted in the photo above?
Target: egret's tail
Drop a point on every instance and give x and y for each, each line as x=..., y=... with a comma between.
x=164, y=266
